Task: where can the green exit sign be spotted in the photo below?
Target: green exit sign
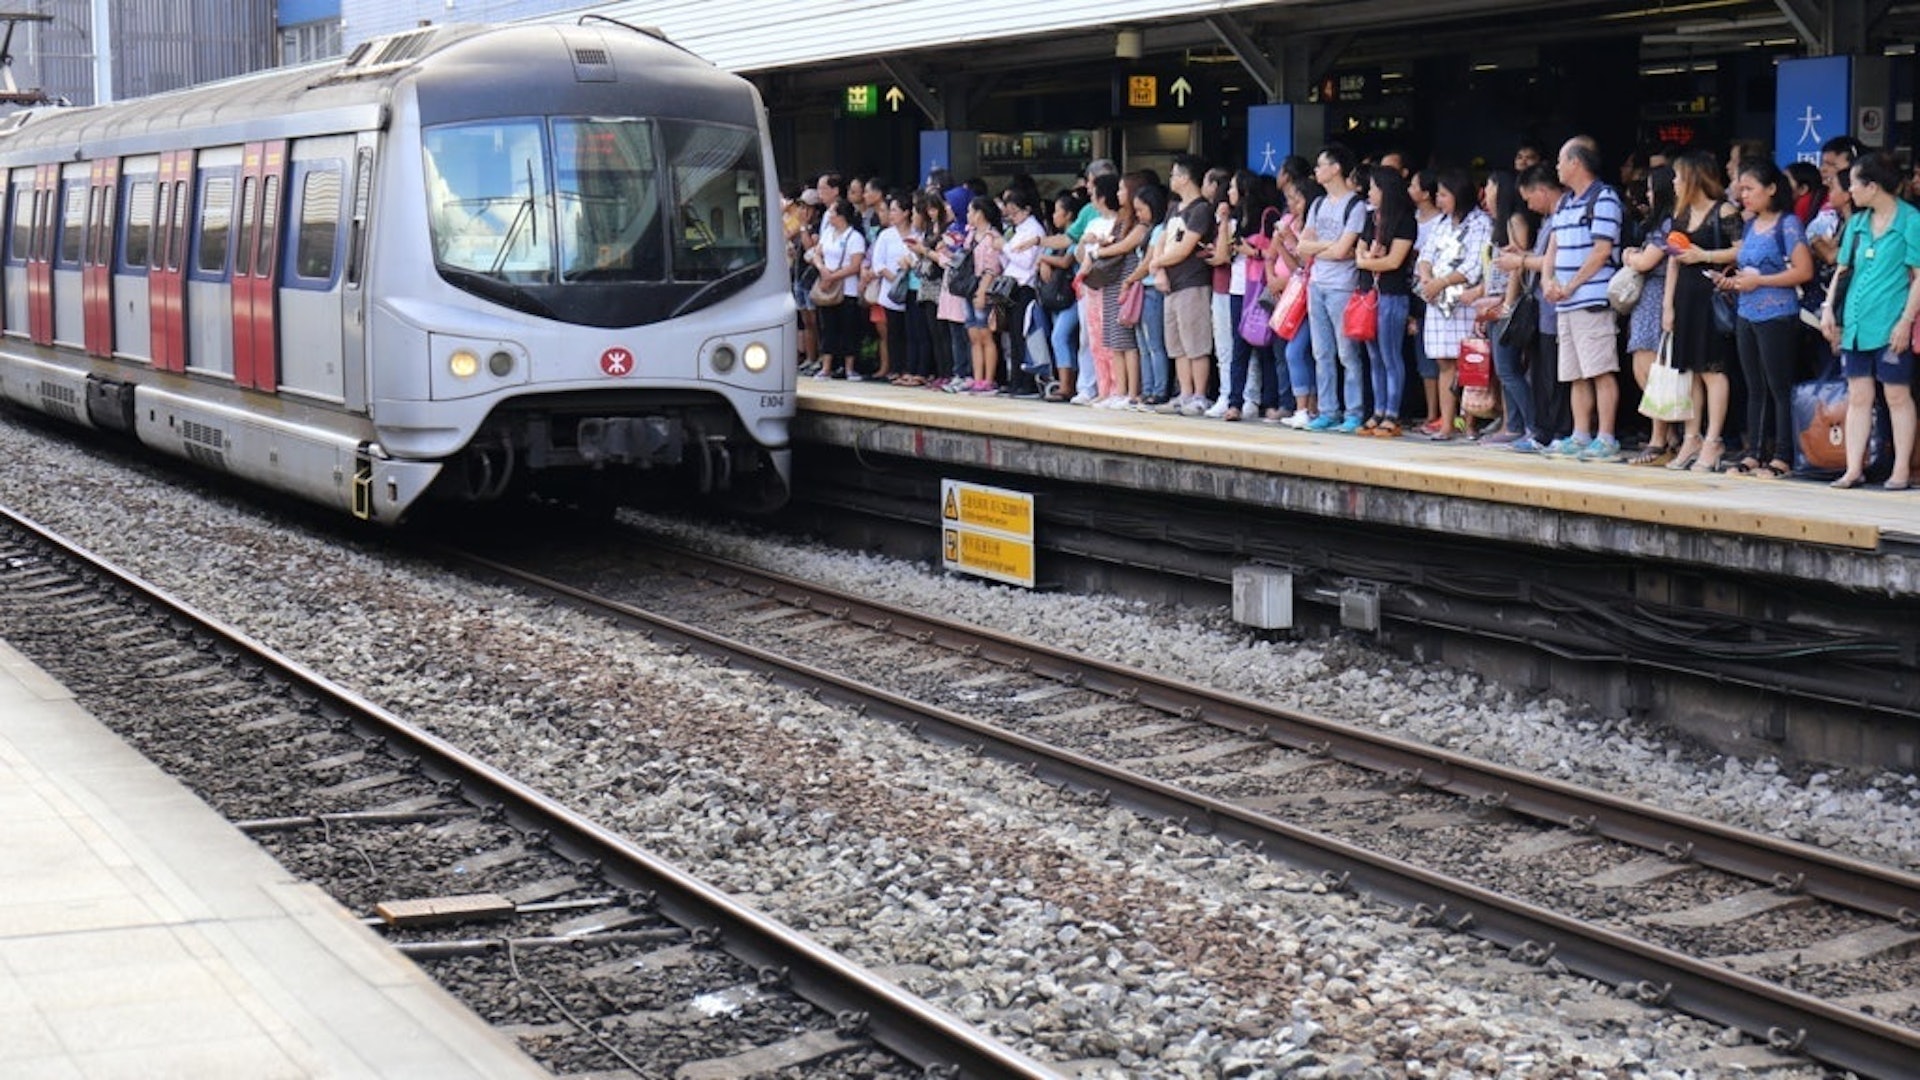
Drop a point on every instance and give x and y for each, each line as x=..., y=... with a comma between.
x=863, y=99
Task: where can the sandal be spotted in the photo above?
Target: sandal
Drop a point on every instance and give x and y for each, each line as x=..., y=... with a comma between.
x=1772, y=470
x=1651, y=455
x=1684, y=457
x=1388, y=429
x=1708, y=459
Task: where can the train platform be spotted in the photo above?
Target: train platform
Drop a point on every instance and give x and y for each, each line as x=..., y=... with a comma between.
x=143, y=936
x=1865, y=540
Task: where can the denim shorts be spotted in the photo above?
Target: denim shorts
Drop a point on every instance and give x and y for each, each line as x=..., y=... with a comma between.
x=1891, y=368
x=976, y=316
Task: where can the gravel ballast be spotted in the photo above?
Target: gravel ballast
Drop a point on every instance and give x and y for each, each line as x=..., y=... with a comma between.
x=1067, y=929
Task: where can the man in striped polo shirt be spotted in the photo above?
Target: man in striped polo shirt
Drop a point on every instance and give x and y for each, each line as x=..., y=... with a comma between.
x=1579, y=259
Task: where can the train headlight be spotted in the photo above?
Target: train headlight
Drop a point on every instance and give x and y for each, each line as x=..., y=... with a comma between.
x=501, y=364
x=464, y=363
x=723, y=359
x=757, y=358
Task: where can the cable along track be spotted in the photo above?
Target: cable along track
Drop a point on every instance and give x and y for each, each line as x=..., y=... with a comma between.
x=1666, y=906
x=514, y=893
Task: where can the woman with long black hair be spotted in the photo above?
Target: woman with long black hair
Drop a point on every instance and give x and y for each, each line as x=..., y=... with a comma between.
x=1705, y=230
x=838, y=256
x=1451, y=278
x=1386, y=253
x=1513, y=225
x=1643, y=325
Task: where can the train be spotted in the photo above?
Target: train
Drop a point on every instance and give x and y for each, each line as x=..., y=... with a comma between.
x=461, y=263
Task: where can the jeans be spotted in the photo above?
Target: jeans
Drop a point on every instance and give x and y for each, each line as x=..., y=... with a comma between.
x=1265, y=393
x=1300, y=362
x=1223, y=336
x=1066, y=338
x=1510, y=366
x=1156, y=369
x=1387, y=351
x=1337, y=362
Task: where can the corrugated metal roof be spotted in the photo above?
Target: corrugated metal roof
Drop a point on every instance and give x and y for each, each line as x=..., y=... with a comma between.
x=759, y=35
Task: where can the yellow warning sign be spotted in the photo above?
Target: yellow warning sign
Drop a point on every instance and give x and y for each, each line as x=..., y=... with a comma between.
x=987, y=531
x=987, y=507
x=1143, y=91
x=990, y=556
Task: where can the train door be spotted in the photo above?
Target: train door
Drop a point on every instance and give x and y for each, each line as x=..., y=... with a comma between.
x=256, y=266
x=46, y=195
x=97, y=254
x=354, y=275
x=312, y=313
x=20, y=205
x=133, y=317
x=69, y=246
x=167, y=265
x=209, y=282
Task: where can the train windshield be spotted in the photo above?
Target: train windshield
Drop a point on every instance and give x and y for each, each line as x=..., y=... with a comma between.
x=533, y=212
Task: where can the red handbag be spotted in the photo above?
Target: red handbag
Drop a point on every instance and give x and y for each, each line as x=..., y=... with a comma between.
x=1133, y=302
x=1290, y=311
x=1361, y=321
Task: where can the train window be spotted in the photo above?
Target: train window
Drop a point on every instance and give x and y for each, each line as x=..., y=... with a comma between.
x=137, y=248
x=216, y=221
x=488, y=208
x=269, y=225
x=319, y=224
x=20, y=241
x=609, y=201
x=362, y=201
x=177, y=255
x=73, y=223
x=243, y=251
x=714, y=169
x=103, y=240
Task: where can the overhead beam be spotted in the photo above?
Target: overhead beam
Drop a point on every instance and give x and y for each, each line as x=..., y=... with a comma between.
x=917, y=91
x=1807, y=23
x=1248, y=52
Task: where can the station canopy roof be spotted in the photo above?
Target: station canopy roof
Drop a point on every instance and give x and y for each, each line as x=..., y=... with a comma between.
x=752, y=36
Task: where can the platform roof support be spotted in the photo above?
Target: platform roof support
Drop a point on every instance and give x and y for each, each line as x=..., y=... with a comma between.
x=917, y=91
x=1249, y=53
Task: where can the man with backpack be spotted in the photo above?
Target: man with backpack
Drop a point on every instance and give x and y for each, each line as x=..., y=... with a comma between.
x=1578, y=265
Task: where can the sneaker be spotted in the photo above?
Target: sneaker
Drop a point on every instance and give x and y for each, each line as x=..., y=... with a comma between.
x=1348, y=426
x=1298, y=421
x=1084, y=397
x=954, y=386
x=1194, y=406
x=1568, y=447
x=1603, y=448
x=1218, y=409
x=1527, y=444
x=822, y=373
x=1499, y=438
x=1323, y=422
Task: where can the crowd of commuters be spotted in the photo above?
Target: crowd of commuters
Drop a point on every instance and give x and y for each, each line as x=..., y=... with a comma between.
x=1321, y=298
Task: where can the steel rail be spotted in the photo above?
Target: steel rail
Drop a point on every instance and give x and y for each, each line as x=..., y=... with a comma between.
x=1784, y=1018
x=862, y=1001
x=1887, y=892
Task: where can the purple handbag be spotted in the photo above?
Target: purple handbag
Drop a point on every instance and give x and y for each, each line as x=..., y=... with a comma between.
x=1256, y=327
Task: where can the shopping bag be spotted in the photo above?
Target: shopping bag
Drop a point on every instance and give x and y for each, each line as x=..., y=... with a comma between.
x=1256, y=323
x=1820, y=431
x=1476, y=363
x=1290, y=314
x=1669, y=393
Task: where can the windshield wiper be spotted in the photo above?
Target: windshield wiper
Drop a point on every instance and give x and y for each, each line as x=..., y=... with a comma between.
x=703, y=290
x=495, y=288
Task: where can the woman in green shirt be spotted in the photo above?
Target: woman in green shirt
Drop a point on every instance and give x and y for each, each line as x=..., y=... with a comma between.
x=1880, y=256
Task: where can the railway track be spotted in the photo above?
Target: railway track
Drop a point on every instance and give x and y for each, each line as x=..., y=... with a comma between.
x=1806, y=950
x=593, y=953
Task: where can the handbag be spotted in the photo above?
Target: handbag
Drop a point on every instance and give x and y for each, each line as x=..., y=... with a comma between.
x=1101, y=273
x=1000, y=289
x=1290, y=313
x=824, y=295
x=1726, y=306
x=1133, y=303
x=1623, y=291
x=1361, y=320
x=1523, y=322
x=1054, y=288
x=961, y=279
x=1480, y=402
x=1256, y=321
x=900, y=291
x=1669, y=393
